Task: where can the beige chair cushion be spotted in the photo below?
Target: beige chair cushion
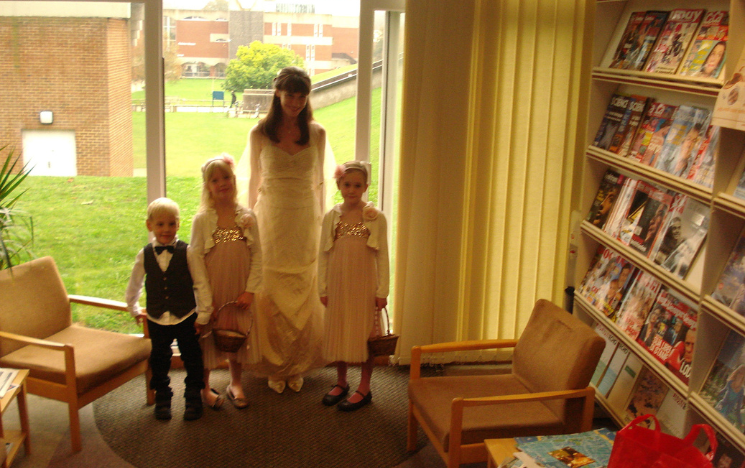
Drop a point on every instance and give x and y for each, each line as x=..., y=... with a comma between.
x=433, y=395
x=99, y=356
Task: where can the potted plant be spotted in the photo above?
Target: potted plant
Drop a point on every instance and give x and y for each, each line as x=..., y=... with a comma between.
x=16, y=226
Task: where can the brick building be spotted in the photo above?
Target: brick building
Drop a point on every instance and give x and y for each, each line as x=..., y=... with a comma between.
x=52, y=64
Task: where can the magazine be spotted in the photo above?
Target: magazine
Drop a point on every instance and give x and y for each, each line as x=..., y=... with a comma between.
x=733, y=275
x=729, y=109
x=7, y=375
x=596, y=274
x=740, y=189
x=647, y=396
x=707, y=53
x=636, y=305
x=605, y=197
x=620, y=207
x=617, y=281
x=628, y=39
x=547, y=450
x=682, y=141
x=682, y=235
x=636, y=207
x=611, y=342
x=674, y=39
x=651, y=219
x=652, y=132
x=724, y=387
x=629, y=124
x=726, y=454
x=614, y=369
x=611, y=120
x=620, y=393
x=645, y=38
x=702, y=169
x=672, y=414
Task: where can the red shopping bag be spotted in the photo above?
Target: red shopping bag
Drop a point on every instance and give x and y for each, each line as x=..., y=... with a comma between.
x=637, y=446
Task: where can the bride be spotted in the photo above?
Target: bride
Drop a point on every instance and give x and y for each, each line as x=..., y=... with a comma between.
x=285, y=170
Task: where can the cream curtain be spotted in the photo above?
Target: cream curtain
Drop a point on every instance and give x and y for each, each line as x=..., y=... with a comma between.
x=489, y=152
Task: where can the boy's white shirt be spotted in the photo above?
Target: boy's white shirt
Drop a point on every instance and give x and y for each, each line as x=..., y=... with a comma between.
x=378, y=240
x=198, y=275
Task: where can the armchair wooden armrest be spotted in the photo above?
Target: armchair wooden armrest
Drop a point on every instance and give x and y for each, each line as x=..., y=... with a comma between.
x=456, y=413
x=32, y=341
x=107, y=304
x=417, y=351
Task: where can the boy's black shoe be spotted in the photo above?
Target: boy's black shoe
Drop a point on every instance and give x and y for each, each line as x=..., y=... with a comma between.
x=193, y=411
x=163, y=411
x=162, y=405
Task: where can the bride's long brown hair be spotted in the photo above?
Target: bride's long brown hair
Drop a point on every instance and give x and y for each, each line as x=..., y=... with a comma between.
x=290, y=80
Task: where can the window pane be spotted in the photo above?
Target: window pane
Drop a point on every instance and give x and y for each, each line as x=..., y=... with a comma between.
x=68, y=81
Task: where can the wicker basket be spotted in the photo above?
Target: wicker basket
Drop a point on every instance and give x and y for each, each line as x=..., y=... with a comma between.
x=228, y=338
x=383, y=345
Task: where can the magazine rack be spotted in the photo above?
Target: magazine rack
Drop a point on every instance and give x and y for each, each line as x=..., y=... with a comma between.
x=727, y=218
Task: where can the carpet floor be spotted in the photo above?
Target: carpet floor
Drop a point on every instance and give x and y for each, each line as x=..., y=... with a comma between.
x=287, y=430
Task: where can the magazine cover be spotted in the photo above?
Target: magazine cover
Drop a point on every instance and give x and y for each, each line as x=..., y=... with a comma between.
x=636, y=207
x=636, y=305
x=611, y=342
x=629, y=125
x=651, y=219
x=629, y=37
x=596, y=274
x=724, y=387
x=707, y=53
x=589, y=449
x=646, y=397
x=646, y=37
x=614, y=369
x=607, y=193
x=620, y=393
x=620, y=208
x=702, y=169
x=610, y=293
x=729, y=107
x=682, y=235
x=672, y=414
x=652, y=132
x=611, y=121
x=732, y=276
x=674, y=40
x=669, y=334
x=682, y=142
x=727, y=454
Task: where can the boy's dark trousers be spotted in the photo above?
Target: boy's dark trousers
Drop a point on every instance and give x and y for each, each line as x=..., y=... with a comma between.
x=161, y=337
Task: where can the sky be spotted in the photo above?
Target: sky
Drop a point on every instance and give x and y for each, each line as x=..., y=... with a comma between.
x=335, y=7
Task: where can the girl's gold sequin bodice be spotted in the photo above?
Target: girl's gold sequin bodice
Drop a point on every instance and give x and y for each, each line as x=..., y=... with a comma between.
x=227, y=235
x=346, y=229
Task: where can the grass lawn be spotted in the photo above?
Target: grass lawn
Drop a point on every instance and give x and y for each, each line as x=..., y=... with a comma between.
x=94, y=226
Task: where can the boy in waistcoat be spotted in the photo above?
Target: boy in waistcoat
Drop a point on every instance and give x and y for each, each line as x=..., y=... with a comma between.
x=179, y=304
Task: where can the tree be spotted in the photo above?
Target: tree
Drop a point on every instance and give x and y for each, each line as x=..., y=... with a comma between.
x=216, y=5
x=257, y=65
x=171, y=61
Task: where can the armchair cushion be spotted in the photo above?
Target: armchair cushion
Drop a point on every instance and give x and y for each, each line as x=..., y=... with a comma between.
x=99, y=356
x=483, y=422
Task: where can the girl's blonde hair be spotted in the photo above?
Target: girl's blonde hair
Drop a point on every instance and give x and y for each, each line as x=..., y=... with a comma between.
x=224, y=163
x=351, y=166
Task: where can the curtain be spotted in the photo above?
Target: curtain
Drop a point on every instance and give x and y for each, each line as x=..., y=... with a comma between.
x=489, y=152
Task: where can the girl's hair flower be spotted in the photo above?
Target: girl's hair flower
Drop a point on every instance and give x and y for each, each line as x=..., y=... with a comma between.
x=339, y=172
x=369, y=212
x=228, y=159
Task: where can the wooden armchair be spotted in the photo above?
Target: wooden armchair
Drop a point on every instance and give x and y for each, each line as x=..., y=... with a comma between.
x=547, y=391
x=67, y=362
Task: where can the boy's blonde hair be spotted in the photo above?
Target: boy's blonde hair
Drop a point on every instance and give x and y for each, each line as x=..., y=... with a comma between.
x=225, y=163
x=163, y=206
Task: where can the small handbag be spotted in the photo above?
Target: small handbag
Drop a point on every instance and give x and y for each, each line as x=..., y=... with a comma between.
x=383, y=345
x=636, y=446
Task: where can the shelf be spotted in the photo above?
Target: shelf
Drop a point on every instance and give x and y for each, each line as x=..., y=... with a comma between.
x=715, y=419
x=728, y=316
x=602, y=401
x=640, y=261
x=681, y=84
x=649, y=361
x=651, y=174
x=730, y=204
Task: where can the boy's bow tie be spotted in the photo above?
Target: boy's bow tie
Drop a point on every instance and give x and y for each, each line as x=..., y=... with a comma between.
x=161, y=248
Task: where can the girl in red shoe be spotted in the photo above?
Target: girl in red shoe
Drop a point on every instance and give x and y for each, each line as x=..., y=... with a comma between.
x=353, y=282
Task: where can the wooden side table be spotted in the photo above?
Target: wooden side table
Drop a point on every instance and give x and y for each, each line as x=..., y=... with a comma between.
x=498, y=450
x=16, y=438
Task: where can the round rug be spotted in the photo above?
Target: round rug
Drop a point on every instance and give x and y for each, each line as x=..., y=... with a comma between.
x=276, y=430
